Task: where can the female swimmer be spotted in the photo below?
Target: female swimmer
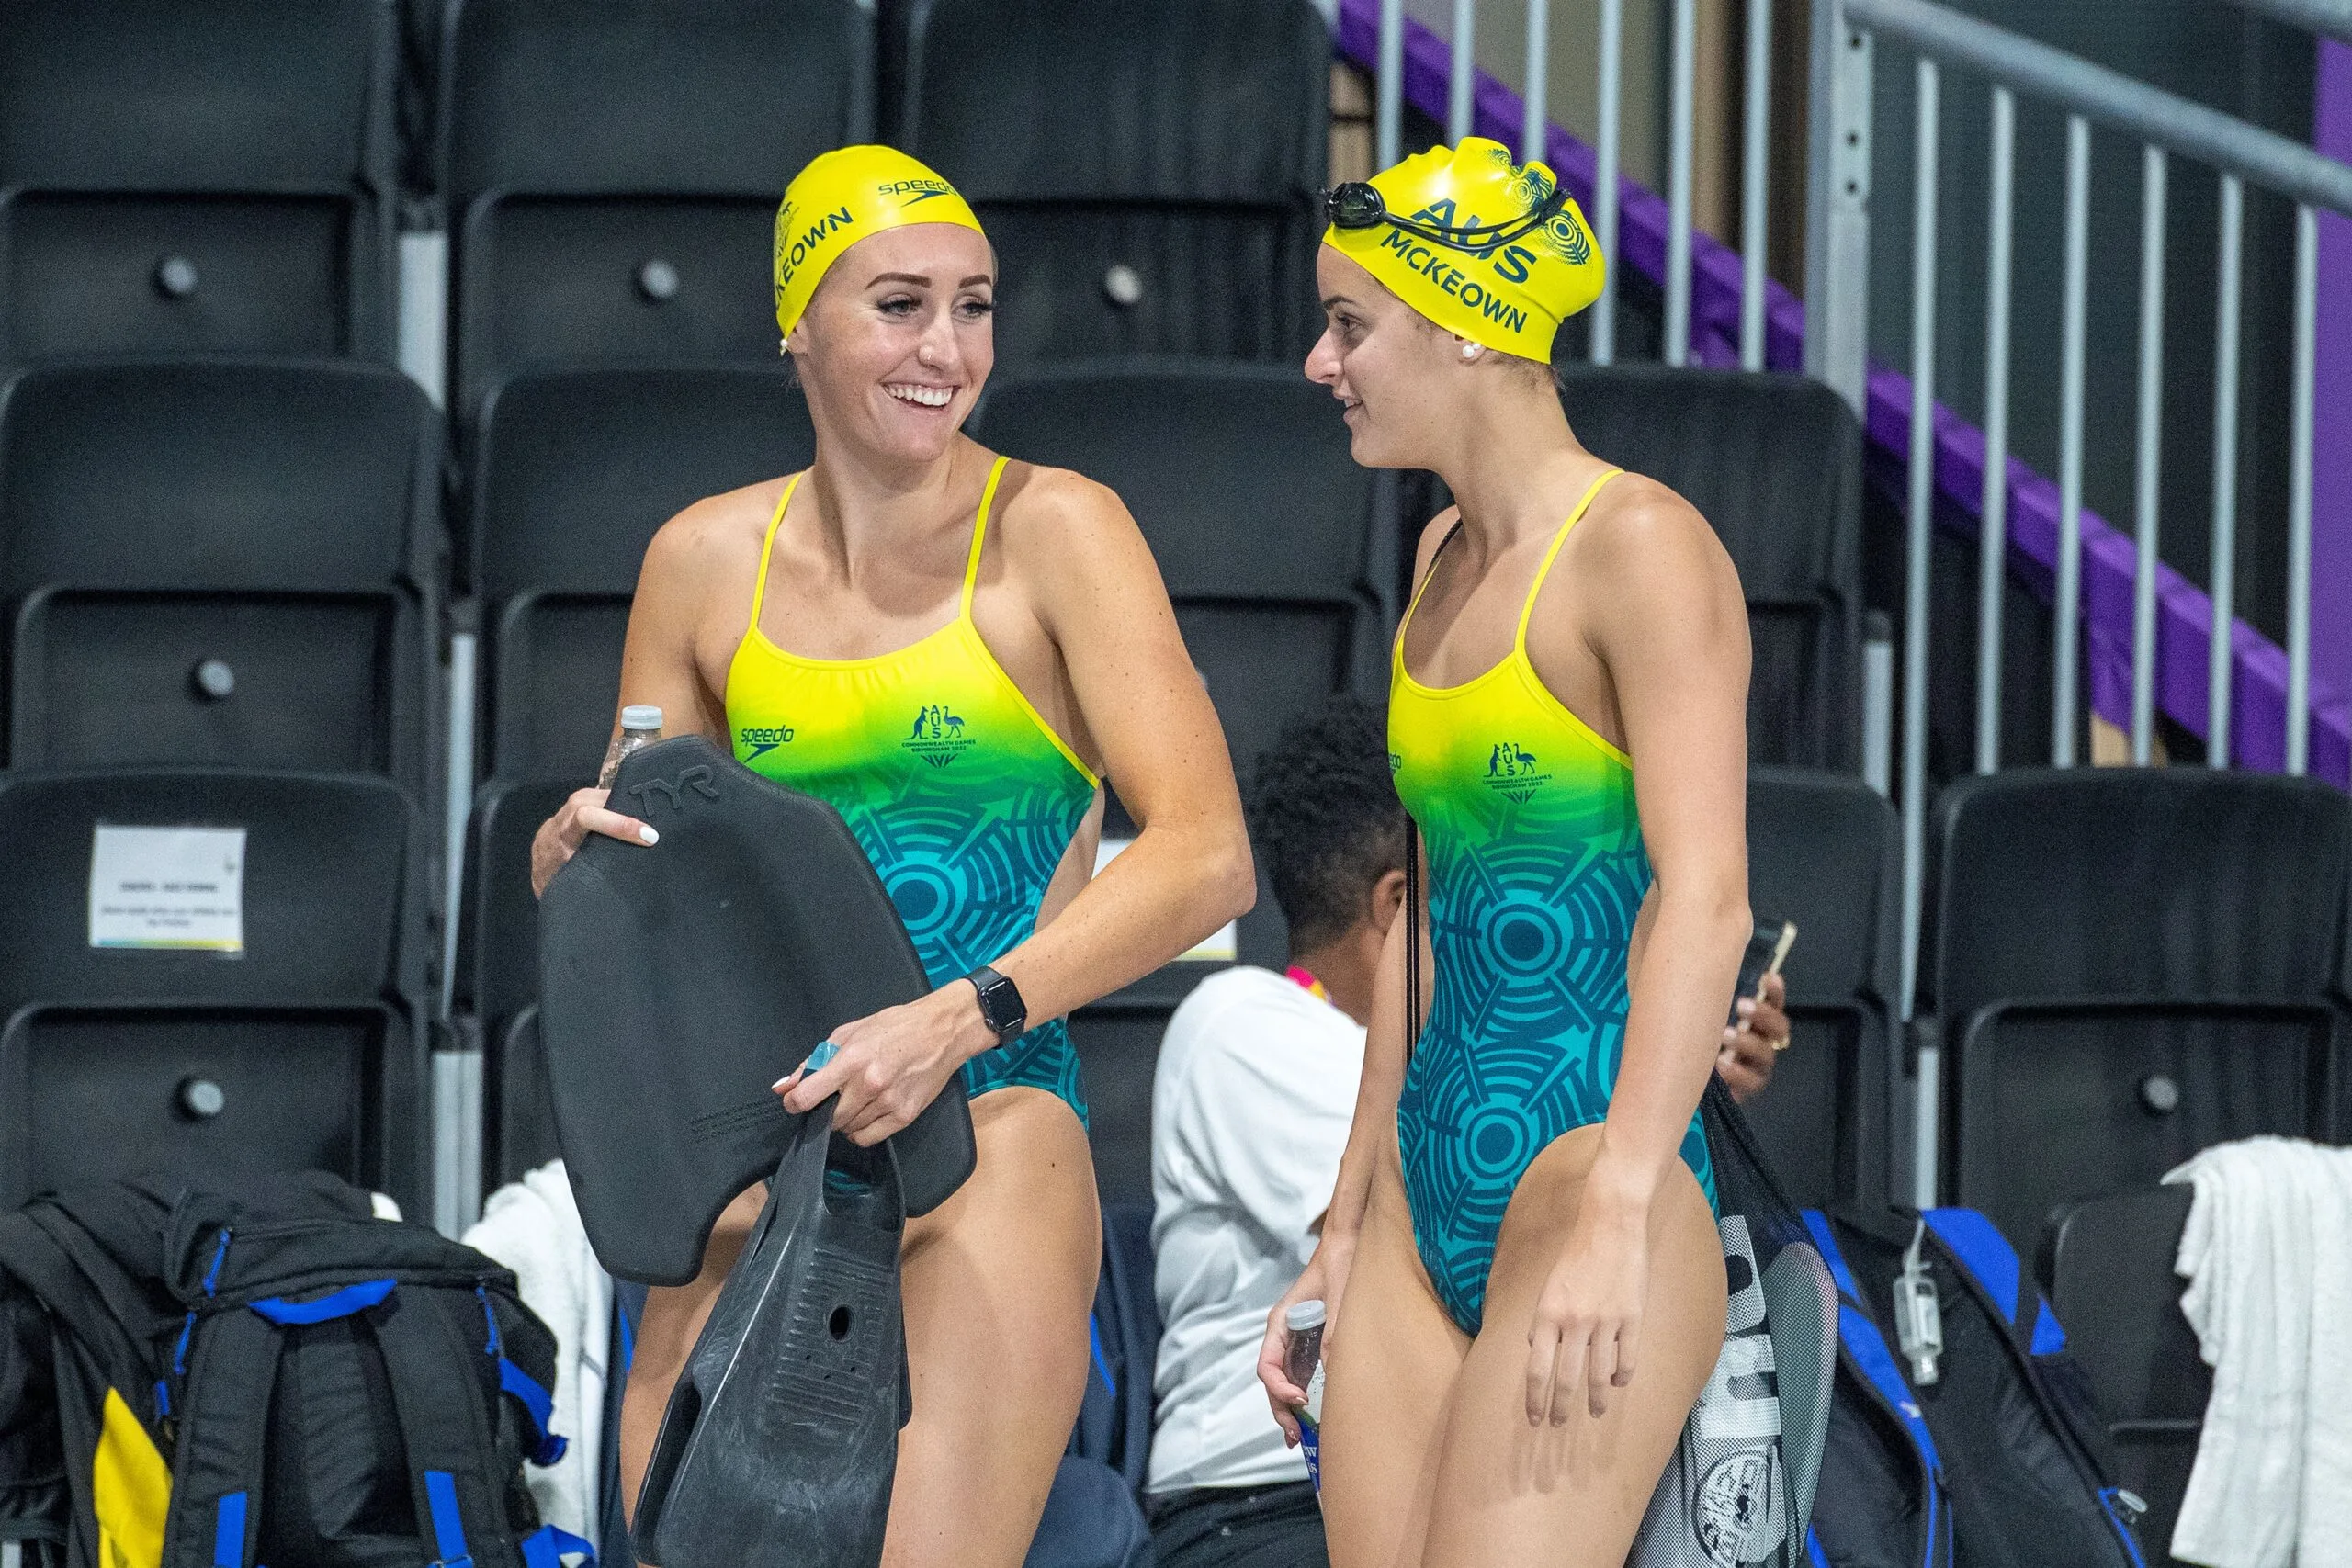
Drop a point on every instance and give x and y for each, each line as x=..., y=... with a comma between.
x=953, y=650
x=1526, y=1285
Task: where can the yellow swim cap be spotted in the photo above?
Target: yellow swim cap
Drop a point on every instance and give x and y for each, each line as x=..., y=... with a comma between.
x=1456, y=244
x=840, y=198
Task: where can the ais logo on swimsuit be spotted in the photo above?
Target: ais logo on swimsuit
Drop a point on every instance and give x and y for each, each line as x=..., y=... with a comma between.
x=763, y=741
x=938, y=735
x=1514, y=772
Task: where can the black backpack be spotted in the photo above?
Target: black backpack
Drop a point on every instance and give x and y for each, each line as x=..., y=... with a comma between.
x=221, y=1378
x=1998, y=1462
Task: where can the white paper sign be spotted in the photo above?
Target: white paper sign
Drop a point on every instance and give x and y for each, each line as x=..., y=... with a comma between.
x=168, y=888
x=1220, y=946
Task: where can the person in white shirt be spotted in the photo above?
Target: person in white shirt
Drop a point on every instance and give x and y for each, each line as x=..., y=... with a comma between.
x=1251, y=1101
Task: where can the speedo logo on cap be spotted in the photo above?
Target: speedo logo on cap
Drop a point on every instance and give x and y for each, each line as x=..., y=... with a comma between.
x=914, y=190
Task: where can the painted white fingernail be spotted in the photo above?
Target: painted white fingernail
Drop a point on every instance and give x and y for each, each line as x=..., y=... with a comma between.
x=648, y=834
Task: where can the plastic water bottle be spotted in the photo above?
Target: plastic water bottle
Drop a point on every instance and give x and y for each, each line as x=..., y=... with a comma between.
x=640, y=725
x=1303, y=1365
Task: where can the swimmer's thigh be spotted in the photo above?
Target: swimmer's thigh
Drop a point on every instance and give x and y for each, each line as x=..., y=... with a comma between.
x=1508, y=1492
x=671, y=1322
x=1387, y=1372
x=998, y=1283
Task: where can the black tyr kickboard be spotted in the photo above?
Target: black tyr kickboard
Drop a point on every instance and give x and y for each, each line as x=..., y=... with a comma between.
x=679, y=981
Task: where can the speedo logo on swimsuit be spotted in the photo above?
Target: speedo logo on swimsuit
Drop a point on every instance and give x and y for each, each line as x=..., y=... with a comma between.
x=763, y=741
x=1514, y=772
x=792, y=249
x=938, y=735
x=914, y=190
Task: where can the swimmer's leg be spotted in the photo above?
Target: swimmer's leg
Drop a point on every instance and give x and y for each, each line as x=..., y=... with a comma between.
x=1575, y=1493
x=1388, y=1371
x=997, y=1282
x=672, y=1320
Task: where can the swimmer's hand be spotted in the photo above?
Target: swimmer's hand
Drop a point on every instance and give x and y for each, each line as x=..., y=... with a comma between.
x=1745, y=1058
x=891, y=1064
x=561, y=836
x=1588, y=1330
x=1325, y=1279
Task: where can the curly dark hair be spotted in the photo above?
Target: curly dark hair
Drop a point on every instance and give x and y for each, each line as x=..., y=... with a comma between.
x=1325, y=818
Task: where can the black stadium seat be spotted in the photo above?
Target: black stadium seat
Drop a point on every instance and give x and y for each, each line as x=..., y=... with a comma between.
x=196, y=178
x=2107, y=1263
x=572, y=472
x=1148, y=172
x=1824, y=850
x=214, y=561
x=1775, y=463
x=496, y=982
x=612, y=170
x=307, y=1049
x=2131, y=964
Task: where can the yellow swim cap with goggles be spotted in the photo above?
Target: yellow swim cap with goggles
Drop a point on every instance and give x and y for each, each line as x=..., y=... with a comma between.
x=1489, y=250
x=840, y=198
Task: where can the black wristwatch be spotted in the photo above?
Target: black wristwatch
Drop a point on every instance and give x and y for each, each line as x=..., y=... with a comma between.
x=1001, y=1007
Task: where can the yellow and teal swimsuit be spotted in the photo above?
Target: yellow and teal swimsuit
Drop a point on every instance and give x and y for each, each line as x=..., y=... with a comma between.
x=1536, y=875
x=959, y=792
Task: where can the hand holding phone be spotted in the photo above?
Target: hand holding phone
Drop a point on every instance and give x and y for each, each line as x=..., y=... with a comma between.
x=1766, y=951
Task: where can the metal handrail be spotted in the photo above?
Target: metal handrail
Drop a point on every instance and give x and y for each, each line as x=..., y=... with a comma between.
x=2333, y=18
x=2151, y=113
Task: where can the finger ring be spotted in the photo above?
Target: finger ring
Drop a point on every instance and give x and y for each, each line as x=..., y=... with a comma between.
x=825, y=1051
x=1781, y=1045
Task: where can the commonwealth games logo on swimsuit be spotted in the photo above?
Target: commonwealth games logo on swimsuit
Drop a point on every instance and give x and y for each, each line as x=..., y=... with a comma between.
x=1514, y=772
x=938, y=737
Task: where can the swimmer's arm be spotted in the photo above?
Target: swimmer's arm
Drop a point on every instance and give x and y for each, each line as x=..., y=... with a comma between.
x=1666, y=617
x=1097, y=593
x=657, y=666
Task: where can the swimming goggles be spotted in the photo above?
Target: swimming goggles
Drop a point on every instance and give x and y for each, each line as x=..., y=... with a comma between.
x=1357, y=204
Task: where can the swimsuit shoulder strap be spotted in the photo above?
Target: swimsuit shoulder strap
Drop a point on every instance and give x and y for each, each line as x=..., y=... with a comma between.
x=767, y=550
x=1527, y=610
x=979, y=537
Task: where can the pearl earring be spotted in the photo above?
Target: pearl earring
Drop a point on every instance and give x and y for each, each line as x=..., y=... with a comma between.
x=1469, y=351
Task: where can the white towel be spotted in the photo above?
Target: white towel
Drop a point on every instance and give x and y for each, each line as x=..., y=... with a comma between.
x=2267, y=1252
x=533, y=1227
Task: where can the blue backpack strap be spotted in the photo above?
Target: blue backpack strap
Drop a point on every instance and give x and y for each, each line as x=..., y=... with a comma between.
x=434, y=1353
x=1977, y=1245
x=1865, y=1347
x=215, y=1517
x=549, y=1546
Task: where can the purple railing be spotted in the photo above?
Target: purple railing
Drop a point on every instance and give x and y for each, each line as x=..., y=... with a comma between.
x=2184, y=614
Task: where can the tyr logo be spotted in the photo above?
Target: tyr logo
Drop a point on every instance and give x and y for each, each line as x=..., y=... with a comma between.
x=697, y=778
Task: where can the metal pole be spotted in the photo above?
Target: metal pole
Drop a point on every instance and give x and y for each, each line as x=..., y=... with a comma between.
x=2070, y=442
x=1838, y=233
x=2148, y=476
x=2226, y=310
x=1533, y=135
x=1388, y=111
x=1685, y=68
x=1922, y=504
x=1754, y=171
x=1993, y=541
x=2298, y=494
x=1462, y=78
x=1611, y=51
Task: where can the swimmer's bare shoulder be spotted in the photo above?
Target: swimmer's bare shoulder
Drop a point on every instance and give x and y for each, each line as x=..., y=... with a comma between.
x=1641, y=536
x=694, y=592
x=1069, y=542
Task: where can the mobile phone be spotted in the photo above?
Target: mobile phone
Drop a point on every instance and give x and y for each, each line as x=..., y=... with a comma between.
x=1766, y=949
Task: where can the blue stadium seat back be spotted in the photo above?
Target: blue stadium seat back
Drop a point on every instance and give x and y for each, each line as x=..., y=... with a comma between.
x=1091, y=1520
x=198, y=179
x=571, y=473
x=2130, y=964
x=1824, y=850
x=1278, y=551
x=2107, y=1263
x=306, y=1050
x=495, y=983
x=611, y=172
x=216, y=562
x=1775, y=463
x=1148, y=172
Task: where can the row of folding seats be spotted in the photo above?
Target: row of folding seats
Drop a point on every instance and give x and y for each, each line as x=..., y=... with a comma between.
x=222, y=179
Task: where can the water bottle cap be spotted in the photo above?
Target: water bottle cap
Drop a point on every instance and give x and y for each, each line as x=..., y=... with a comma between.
x=1304, y=1316
x=641, y=717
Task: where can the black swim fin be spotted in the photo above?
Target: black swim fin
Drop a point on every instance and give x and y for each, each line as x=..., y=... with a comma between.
x=782, y=1433
x=678, y=982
